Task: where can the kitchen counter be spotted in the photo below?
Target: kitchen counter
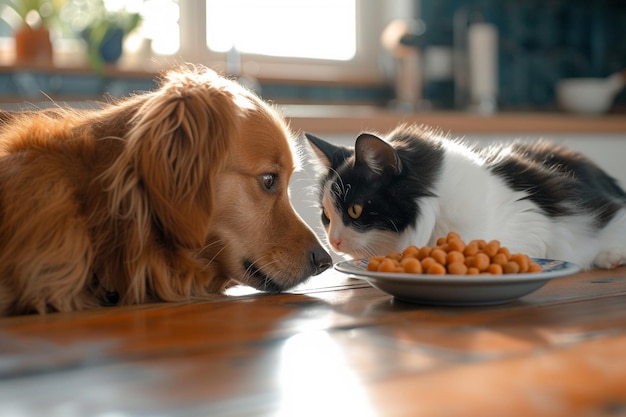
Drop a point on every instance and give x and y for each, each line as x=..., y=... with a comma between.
x=353, y=119
x=338, y=347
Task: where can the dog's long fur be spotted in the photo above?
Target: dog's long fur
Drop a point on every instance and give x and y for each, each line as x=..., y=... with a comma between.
x=163, y=196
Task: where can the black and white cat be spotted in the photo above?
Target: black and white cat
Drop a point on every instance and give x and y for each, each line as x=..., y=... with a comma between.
x=417, y=185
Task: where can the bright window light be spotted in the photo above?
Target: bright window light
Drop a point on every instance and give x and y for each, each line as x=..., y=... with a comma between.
x=160, y=21
x=319, y=29
x=161, y=25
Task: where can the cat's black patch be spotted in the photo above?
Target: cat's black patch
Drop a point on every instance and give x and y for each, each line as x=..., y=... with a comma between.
x=378, y=155
x=561, y=182
x=389, y=198
x=335, y=155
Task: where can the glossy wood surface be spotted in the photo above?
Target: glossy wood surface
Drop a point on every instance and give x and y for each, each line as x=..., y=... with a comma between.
x=335, y=347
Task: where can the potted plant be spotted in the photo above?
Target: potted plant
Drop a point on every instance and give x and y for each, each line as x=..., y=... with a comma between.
x=105, y=36
x=103, y=30
x=31, y=21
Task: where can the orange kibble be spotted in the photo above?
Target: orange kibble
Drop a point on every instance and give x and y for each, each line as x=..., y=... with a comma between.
x=491, y=248
x=445, y=247
x=510, y=267
x=411, y=251
x=411, y=266
x=373, y=264
x=428, y=262
x=499, y=259
x=452, y=255
x=522, y=260
x=481, y=243
x=471, y=249
x=395, y=255
x=456, y=245
x=424, y=252
x=387, y=265
x=481, y=262
x=436, y=269
x=440, y=256
x=505, y=251
x=495, y=269
x=455, y=256
x=457, y=268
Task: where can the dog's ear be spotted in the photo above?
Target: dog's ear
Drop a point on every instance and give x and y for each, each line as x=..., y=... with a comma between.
x=179, y=140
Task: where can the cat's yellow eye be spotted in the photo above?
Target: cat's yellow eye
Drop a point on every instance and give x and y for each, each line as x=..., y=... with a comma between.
x=355, y=211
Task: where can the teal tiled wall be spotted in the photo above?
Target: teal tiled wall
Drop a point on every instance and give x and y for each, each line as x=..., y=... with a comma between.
x=540, y=42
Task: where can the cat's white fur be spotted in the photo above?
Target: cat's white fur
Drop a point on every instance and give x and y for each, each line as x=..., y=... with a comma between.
x=478, y=205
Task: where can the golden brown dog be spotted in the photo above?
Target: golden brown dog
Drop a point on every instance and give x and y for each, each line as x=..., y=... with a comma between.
x=166, y=196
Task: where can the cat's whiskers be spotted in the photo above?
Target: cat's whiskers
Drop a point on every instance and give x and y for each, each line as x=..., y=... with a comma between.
x=395, y=227
x=338, y=187
x=346, y=191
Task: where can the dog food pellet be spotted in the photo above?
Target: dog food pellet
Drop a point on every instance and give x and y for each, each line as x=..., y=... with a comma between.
x=452, y=255
x=436, y=269
x=411, y=265
x=457, y=268
x=495, y=269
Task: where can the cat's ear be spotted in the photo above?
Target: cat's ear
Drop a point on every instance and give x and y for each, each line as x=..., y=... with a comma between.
x=376, y=154
x=330, y=155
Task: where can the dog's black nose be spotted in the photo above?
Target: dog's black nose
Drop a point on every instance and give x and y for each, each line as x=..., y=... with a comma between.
x=320, y=259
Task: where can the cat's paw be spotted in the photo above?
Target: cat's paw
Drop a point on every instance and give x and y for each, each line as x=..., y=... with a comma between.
x=610, y=258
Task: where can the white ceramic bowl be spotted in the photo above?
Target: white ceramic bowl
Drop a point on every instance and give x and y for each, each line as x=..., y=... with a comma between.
x=588, y=95
x=459, y=289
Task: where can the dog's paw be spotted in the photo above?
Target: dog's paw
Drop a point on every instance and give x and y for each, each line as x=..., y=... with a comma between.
x=610, y=258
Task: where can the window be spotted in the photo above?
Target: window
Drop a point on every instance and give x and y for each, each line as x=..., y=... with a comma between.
x=326, y=40
x=275, y=28
x=161, y=25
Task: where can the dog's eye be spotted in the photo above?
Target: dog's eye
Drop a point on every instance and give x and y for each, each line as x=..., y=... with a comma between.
x=355, y=210
x=269, y=182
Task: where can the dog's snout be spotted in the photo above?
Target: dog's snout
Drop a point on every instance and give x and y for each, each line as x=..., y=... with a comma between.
x=319, y=259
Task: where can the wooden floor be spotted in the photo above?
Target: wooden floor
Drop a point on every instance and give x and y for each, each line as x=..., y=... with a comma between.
x=337, y=348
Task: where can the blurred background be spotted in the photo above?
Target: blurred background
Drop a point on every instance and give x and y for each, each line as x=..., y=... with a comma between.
x=411, y=55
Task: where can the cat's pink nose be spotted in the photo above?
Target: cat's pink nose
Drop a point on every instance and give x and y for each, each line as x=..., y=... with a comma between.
x=335, y=243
